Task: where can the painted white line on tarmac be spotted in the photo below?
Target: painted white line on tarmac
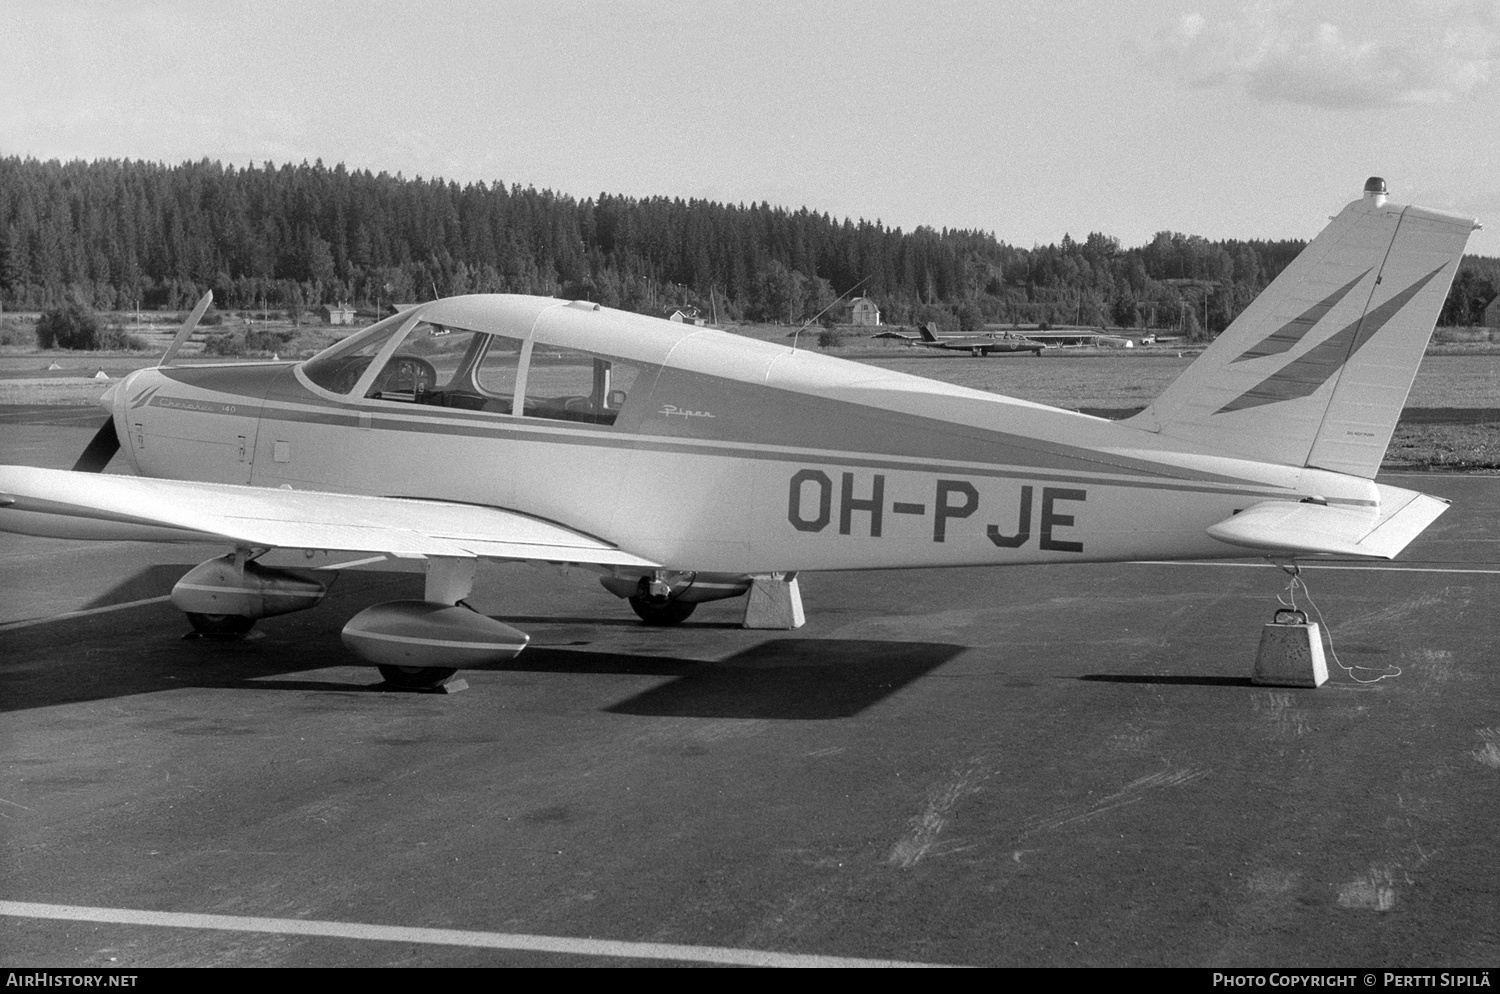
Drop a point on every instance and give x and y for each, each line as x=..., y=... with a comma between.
x=1307, y=566
x=442, y=937
x=10, y=626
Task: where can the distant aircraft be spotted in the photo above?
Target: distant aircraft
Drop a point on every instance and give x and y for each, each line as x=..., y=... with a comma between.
x=685, y=464
x=982, y=345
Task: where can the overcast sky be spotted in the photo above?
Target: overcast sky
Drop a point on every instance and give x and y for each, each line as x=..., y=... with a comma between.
x=1225, y=119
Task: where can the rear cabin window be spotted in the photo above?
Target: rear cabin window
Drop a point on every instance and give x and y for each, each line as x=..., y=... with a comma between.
x=565, y=385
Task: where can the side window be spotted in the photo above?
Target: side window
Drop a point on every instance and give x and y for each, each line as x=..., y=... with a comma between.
x=566, y=385
x=446, y=350
x=449, y=367
x=427, y=361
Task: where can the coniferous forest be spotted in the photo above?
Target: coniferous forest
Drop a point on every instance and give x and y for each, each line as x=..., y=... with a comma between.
x=116, y=235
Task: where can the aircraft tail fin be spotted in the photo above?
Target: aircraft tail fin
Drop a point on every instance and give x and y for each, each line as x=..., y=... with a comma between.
x=1316, y=370
x=928, y=331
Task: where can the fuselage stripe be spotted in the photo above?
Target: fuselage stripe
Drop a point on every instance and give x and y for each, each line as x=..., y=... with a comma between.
x=604, y=438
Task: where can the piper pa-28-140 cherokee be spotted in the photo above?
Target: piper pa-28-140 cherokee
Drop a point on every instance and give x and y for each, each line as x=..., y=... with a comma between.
x=686, y=464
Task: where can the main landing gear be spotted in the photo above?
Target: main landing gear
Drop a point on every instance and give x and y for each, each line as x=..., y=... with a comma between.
x=226, y=596
x=663, y=598
x=660, y=602
x=663, y=613
x=415, y=645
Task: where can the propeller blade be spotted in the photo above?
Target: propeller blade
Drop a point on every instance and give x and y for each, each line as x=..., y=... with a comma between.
x=101, y=450
x=186, y=329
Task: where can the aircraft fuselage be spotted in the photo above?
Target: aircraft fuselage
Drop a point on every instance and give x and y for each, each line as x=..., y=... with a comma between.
x=779, y=460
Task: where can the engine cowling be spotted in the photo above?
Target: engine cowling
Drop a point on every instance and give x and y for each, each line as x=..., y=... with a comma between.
x=425, y=634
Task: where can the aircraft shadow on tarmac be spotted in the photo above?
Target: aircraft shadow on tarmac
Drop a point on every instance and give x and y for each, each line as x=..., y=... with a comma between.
x=791, y=679
x=140, y=652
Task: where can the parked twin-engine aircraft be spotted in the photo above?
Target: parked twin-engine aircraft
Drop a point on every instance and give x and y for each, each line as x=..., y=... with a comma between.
x=982, y=345
x=686, y=464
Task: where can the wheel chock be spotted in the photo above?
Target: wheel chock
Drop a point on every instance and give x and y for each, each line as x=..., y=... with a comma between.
x=774, y=602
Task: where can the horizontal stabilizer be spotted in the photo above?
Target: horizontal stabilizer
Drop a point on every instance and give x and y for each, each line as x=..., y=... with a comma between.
x=1317, y=529
x=63, y=504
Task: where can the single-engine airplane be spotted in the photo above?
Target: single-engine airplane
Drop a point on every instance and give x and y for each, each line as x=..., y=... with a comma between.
x=685, y=464
x=981, y=345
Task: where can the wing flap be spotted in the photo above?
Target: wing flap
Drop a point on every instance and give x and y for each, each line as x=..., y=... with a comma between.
x=1317, y=529
x=64, y=504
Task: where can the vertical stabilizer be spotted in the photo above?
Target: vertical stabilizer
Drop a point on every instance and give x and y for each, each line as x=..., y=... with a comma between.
x=1316, y=370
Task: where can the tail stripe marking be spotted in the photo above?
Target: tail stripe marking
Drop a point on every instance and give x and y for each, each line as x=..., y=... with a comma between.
x=1289, y=334
x=1305, y=374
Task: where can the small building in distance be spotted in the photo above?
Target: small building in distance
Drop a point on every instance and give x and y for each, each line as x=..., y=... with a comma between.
x=689, y=316
x=1492, y=313
x=864, y=313
x=337, y=313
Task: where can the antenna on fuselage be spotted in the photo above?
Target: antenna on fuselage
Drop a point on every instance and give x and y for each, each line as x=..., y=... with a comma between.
x=825, y=310
x=186, y=329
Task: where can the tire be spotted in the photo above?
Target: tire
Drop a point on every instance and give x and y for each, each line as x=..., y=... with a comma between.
x=416, y=677
x=220, y=624
x=659, y=614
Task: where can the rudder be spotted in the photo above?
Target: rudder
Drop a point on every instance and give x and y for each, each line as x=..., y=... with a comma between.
x=1316, y=370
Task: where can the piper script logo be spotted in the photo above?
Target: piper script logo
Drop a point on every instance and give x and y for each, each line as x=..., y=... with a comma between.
x=671, y=409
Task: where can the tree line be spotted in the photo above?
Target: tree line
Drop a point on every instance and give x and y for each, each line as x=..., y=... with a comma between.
x=122, y=234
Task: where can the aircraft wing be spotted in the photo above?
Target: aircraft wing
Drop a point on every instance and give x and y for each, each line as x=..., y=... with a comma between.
x=1318, y=529
x=64, y=504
